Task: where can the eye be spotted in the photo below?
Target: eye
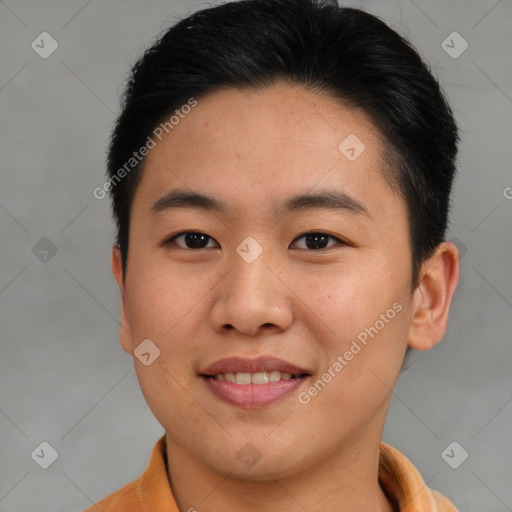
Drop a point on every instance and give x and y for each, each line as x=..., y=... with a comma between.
x=194, y=240
x=317, y=241
x=191, y=240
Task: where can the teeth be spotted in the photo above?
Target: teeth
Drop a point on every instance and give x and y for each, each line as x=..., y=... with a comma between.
x=274, y=376
x=259, y=378
x=243, y=378
x=253, y=378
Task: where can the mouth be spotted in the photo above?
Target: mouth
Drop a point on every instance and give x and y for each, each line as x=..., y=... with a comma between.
x=253, y=384
x=268, y=366
x=257, y=378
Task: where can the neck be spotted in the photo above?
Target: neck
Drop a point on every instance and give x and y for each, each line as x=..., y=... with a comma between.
x=345, y=480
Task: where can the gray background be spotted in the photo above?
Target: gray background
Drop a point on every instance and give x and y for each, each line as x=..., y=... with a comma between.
x=63, y=376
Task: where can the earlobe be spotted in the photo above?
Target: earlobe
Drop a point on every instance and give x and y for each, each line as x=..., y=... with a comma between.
x=433, y=296
x=125, y=334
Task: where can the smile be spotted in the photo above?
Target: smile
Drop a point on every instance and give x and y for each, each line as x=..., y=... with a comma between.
x=253, y=378
x=253, y=383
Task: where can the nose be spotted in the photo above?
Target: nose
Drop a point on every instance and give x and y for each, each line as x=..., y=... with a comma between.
x=252, y=298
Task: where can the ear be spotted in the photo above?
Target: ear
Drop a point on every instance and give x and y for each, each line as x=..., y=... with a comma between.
x=432, y=298
x=125, y=334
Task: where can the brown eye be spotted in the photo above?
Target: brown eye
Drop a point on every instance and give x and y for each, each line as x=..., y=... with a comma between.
x=317, y=241
x=192, y=240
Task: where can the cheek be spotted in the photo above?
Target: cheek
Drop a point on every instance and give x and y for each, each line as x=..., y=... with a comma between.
x=164, y=298
x=363, y=363
x=345, y=300
x=365, y=321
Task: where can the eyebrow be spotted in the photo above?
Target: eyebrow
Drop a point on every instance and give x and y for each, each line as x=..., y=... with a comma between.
x=322, y=200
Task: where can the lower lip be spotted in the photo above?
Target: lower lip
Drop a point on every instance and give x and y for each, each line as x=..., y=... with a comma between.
x=252, y=396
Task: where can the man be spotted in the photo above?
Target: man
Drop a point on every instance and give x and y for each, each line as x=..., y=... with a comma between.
x=280, y=174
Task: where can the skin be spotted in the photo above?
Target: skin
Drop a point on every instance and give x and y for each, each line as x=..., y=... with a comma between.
x=252, y=150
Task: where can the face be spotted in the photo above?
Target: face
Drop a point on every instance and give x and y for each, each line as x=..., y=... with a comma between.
x=317, y=287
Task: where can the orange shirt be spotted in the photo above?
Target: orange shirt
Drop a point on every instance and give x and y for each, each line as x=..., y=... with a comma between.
x=151, y=492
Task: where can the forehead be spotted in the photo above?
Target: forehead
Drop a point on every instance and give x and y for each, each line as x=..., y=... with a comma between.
x=241, y=144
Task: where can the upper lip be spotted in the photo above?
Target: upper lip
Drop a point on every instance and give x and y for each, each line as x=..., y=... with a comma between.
x=260, y=364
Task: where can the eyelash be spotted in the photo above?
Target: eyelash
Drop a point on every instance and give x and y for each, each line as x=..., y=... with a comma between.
x=339, y=241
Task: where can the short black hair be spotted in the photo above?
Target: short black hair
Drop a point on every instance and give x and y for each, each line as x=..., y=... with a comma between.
x=346, y=53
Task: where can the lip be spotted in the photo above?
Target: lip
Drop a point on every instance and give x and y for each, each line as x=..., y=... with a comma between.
x=252, y=396
x=260, y=364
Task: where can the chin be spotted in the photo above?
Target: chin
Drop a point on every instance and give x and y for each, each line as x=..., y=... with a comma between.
x=245, y=461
